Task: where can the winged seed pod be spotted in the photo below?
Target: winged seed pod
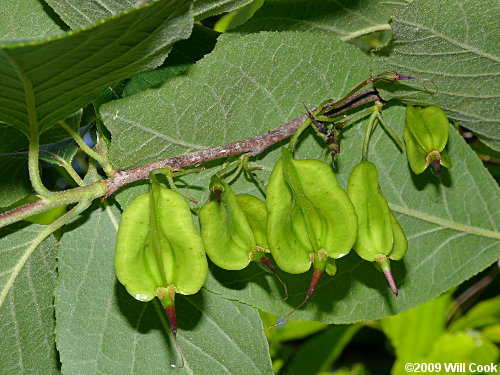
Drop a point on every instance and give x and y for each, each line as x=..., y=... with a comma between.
x=159, y=251
x=426, y=135
x=234, y=229
x=311, y=220
x=380, y=237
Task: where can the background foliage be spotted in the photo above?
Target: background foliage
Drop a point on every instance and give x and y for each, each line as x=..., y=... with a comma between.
x=161, y=87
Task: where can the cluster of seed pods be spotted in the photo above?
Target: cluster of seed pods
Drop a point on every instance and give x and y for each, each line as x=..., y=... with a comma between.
x=307, y=220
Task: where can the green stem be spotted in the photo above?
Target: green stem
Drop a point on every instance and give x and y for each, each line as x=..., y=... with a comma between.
x=34, y=166
x=236, y=172
x=371, y=124
x=72, y=173
x=102, y=160
x=368, y=30
x=60, y=198
x=390, y=132
x=296, y=135
x=228, y=165
x=353, y=118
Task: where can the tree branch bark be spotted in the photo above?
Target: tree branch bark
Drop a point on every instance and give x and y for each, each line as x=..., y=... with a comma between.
x=251, y=146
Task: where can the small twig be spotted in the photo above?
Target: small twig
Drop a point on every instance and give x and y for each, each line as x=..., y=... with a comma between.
x=251, y=146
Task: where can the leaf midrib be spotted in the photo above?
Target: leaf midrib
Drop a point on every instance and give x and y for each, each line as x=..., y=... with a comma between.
x=470, y=229
x=450, y=40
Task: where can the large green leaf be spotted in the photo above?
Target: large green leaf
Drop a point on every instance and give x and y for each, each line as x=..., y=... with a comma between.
x=319, y=353
x=218, y=96
x=13, y=140
x=26, y=302
x=80, y=13
x=102, y=329
x=206, y=8
x=345, y=18
x=45, y=81
x=184, y=54
x=253, y=83
x=414, y=332
x=84, y=12
x=457, y=46
x=419, y=335
x=14, y=179
x=25, y=19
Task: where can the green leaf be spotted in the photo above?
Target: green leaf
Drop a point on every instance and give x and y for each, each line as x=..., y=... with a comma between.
x=454, y=46
x=13, y=140
x=25, y=19
x=483, y=314
x=78, y=65
x=78, y=14
x=206, y=8
x=414, y=332
x=251, y=84
x=345, y=19
x=319, y=353
x=184, y=54
x=26, y=302
x=215, y=101
x=102, y=329
x=91, y=11
x=14, y=179
x=462, y=347
x=237, y=17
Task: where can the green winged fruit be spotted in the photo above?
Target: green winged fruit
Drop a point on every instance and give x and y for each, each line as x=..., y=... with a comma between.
x=311, y=220
x=233, y=228
x=379, y=237
x=159, y=251
x=426, y=136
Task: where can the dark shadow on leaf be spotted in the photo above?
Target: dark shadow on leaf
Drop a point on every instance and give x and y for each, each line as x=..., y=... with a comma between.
x=189, y=310
x=145, y=316
x=239, y=280
x=423, y=179
x=367, y=273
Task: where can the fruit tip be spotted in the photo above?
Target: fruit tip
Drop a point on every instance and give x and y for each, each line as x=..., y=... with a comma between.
x=392, y=283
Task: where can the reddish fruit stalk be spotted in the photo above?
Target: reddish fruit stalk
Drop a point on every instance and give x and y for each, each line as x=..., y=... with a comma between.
x=167, y=299
x=266, y=263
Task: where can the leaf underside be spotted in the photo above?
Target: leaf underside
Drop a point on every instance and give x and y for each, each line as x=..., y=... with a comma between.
x=266, y=80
